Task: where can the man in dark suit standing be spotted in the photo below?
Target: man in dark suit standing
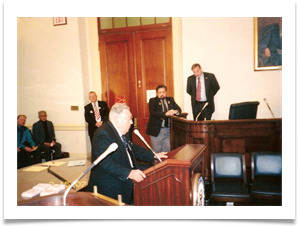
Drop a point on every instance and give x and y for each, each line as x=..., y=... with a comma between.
x=202, y=87
x=160, y=108
x=116, y=173
x=95, y=113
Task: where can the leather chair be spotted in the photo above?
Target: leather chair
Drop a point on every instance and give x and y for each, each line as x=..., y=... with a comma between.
x=243, y=110
x=228, y=179
x=266, y=173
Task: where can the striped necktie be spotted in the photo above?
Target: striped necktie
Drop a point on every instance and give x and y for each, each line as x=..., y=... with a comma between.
x=198, y=97
x=97, y=113
x=129, y=151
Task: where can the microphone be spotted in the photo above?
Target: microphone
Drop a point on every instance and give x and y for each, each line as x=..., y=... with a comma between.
x=143, y=140
x=109, y=150
x=269, y=107
x=206, y=104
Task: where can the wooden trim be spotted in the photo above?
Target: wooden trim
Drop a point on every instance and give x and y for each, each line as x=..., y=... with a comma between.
x=66, y=127
x=134, y=28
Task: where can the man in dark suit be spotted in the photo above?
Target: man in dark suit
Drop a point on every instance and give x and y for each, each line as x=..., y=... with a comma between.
x=202, y=87
x=160, y=108
x=95, y=113
x=116, y=173
x=44, y=137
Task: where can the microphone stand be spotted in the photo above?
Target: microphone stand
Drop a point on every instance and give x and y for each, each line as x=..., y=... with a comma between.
x=139, y=135
x=268, y=107
x=110, y=149
x=206, y=104
x=66, y=182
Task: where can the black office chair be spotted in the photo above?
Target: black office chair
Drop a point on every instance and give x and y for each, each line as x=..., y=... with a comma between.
x=243, y=110
x=228, y=177
x=266, y=173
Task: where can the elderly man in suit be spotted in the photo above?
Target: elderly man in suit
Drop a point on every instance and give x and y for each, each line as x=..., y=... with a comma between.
x=202, y=87
x=161, y=108
x=95, y=113
x=44, y=137
x=116, y=173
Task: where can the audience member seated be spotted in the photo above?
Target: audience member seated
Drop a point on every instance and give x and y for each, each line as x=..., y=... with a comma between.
x=44, y=137
x=28, y=153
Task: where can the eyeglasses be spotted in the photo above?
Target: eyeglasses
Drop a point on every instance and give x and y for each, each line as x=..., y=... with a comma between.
x=43, y=116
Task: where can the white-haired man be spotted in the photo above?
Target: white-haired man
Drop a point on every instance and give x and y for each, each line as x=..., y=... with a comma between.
x=116, y=173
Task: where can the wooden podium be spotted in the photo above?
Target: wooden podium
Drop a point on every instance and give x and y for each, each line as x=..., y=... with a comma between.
x=168, y=183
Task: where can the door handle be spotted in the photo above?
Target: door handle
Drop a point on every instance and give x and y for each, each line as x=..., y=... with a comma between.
x=139, y=84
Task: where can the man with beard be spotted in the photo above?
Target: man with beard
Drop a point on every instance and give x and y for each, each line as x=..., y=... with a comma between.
x=160, y=108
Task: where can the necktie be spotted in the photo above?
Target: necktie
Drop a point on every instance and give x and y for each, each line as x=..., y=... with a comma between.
x=129, y=151
x=96, y=112
x=198, y=90
x=165, y=110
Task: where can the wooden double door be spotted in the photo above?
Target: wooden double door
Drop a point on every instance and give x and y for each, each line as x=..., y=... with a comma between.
x=133, y=64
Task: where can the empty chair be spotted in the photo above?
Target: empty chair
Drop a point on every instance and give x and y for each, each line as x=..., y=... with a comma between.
x=266, y=177
x=243, y=110
x=228, y=177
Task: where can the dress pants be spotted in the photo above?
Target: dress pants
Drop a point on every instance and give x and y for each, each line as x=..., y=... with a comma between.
x=162, y=141
x=26, y=158
x=47, y=151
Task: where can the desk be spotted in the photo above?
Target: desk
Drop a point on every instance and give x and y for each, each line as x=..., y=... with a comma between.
x=242, y=136
x=28, y=179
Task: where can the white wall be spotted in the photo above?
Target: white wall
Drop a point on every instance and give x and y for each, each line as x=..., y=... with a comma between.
x=224, y=46
x=55, y=73
x=59, y=65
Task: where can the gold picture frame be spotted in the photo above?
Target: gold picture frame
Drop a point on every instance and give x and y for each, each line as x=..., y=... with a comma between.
x=267, y=35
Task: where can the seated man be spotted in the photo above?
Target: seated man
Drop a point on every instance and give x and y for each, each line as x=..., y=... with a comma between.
x=28, y=153
x=44, y=137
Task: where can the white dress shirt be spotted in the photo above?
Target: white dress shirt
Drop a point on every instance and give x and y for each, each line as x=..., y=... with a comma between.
x=202, y=87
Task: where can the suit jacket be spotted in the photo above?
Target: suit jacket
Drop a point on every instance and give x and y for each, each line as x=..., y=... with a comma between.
x=111, y=175
x=39, y=133
x=90, y=118
x=211, y=85
x=157, y=115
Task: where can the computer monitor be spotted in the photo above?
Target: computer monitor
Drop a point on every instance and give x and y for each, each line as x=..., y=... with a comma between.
x=243, y=110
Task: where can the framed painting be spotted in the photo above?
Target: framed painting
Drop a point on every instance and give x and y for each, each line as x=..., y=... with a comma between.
x=267, y=43
x=59, y=21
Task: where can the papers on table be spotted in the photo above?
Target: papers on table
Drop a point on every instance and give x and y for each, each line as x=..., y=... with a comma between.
x=43, y=166
x=51, y=163
x=35, y=168
x=43, y=189
x=77, y=163
x=53, y=189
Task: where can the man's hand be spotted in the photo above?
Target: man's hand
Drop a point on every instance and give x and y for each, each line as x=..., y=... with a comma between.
x=136, y=175
x=171, y=112
x=98, y=124
x=47, y=143
x=28, y=149
x=162, y=155
x=18, y=149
